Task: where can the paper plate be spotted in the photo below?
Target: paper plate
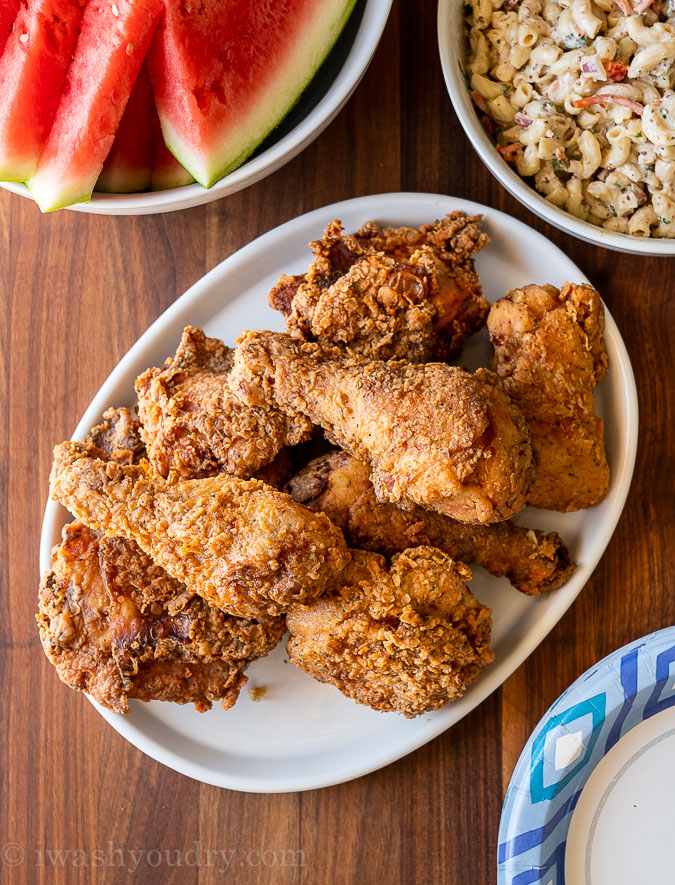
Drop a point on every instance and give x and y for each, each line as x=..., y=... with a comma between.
x=592, y=798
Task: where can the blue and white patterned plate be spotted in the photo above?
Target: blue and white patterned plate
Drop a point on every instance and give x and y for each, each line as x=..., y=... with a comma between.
x=604, y=704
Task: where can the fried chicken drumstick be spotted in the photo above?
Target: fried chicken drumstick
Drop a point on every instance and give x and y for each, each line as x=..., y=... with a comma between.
x=339, y=486
x=241, y=545
x=549, y=355
x=117, y=626
x=406, y=293
x=191, y=421
x=432, y=435
x=407, y=638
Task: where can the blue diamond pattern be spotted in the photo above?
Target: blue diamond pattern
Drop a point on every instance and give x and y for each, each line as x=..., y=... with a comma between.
x=586, y=716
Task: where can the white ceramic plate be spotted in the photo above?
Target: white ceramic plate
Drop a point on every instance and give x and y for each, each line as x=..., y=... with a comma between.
x=302, y=734
x=452, y=45
x=592, y=798
x=320, y=104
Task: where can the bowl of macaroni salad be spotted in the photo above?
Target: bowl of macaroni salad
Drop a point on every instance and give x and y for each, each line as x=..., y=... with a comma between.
x=571, y=105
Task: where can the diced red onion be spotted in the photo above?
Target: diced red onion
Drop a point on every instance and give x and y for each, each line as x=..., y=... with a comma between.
x=591, y=66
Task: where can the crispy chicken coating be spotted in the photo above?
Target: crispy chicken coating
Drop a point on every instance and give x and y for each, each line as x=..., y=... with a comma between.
x=432, y=435
x=115, y=625
x=549, y=355
x=241, y=545
x=118, y=437
x=339, y=486
x=192, y=423
x=389, y=293
x=408, y=638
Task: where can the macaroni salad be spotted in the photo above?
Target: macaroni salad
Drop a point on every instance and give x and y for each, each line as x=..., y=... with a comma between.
x=580, y=96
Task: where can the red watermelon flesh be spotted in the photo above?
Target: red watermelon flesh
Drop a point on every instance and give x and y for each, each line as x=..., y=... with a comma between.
x=32, y=71
x=225, y=72
x=8, y=12
x=128, y=166
x=113, y=41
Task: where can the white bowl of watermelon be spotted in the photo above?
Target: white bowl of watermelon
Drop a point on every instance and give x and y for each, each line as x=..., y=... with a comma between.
x=150, y=106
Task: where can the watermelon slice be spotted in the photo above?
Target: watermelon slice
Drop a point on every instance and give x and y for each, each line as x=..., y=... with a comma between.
x=224, y=73
x=32, y=70
x=8, y=12
x=167, y=172
x=128, y=166
x=139, y=160
x=113, y=41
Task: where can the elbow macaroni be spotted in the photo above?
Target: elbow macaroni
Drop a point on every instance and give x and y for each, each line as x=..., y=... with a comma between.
x=589, y=92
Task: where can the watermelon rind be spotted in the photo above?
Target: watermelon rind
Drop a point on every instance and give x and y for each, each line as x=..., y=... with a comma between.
x=167, y=179
x=124, y=180
x=268, y=111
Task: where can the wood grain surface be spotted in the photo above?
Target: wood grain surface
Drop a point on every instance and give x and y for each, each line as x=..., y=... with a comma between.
x=77, y=291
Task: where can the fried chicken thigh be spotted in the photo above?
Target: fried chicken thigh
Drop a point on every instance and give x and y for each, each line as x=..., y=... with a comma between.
x=243, y=546
x=339, y=486
x=549, y=355
x=432, y=435
x=116, y=625
x=408, y=638
x=192, y=423
x=393, y=293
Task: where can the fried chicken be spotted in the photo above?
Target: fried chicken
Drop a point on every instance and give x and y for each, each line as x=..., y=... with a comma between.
x=389, y=293
x=408, y=638
x=432, y=435
x=549, y=355
x=118, y=437
x=192, y=423
x=339, y=486
x=117, y=626
x=243, y=546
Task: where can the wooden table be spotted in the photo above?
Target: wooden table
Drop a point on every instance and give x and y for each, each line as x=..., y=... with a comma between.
x=77, y=290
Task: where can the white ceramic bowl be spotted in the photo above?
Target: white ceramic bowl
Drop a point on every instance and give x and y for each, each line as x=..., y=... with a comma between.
x=321, y=102
x=452, y=46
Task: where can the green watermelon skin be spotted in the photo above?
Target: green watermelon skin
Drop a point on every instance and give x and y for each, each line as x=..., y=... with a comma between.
x=225, y=73
x=114, y=39
x=32, y=70
x=8, y=12
x=128, y=166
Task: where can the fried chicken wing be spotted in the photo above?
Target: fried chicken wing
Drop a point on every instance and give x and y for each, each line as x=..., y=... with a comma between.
x=191, y=422
x=393, y=293
x=549, y=355
x=117, y=626
x=339, y=486
x=408, y=638
x=243, y=546
x=432, y=435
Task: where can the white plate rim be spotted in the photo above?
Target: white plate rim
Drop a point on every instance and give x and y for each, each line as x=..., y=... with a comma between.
x=388, y=205
x=371, y=27
x=602, y=674
x=507, y=177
